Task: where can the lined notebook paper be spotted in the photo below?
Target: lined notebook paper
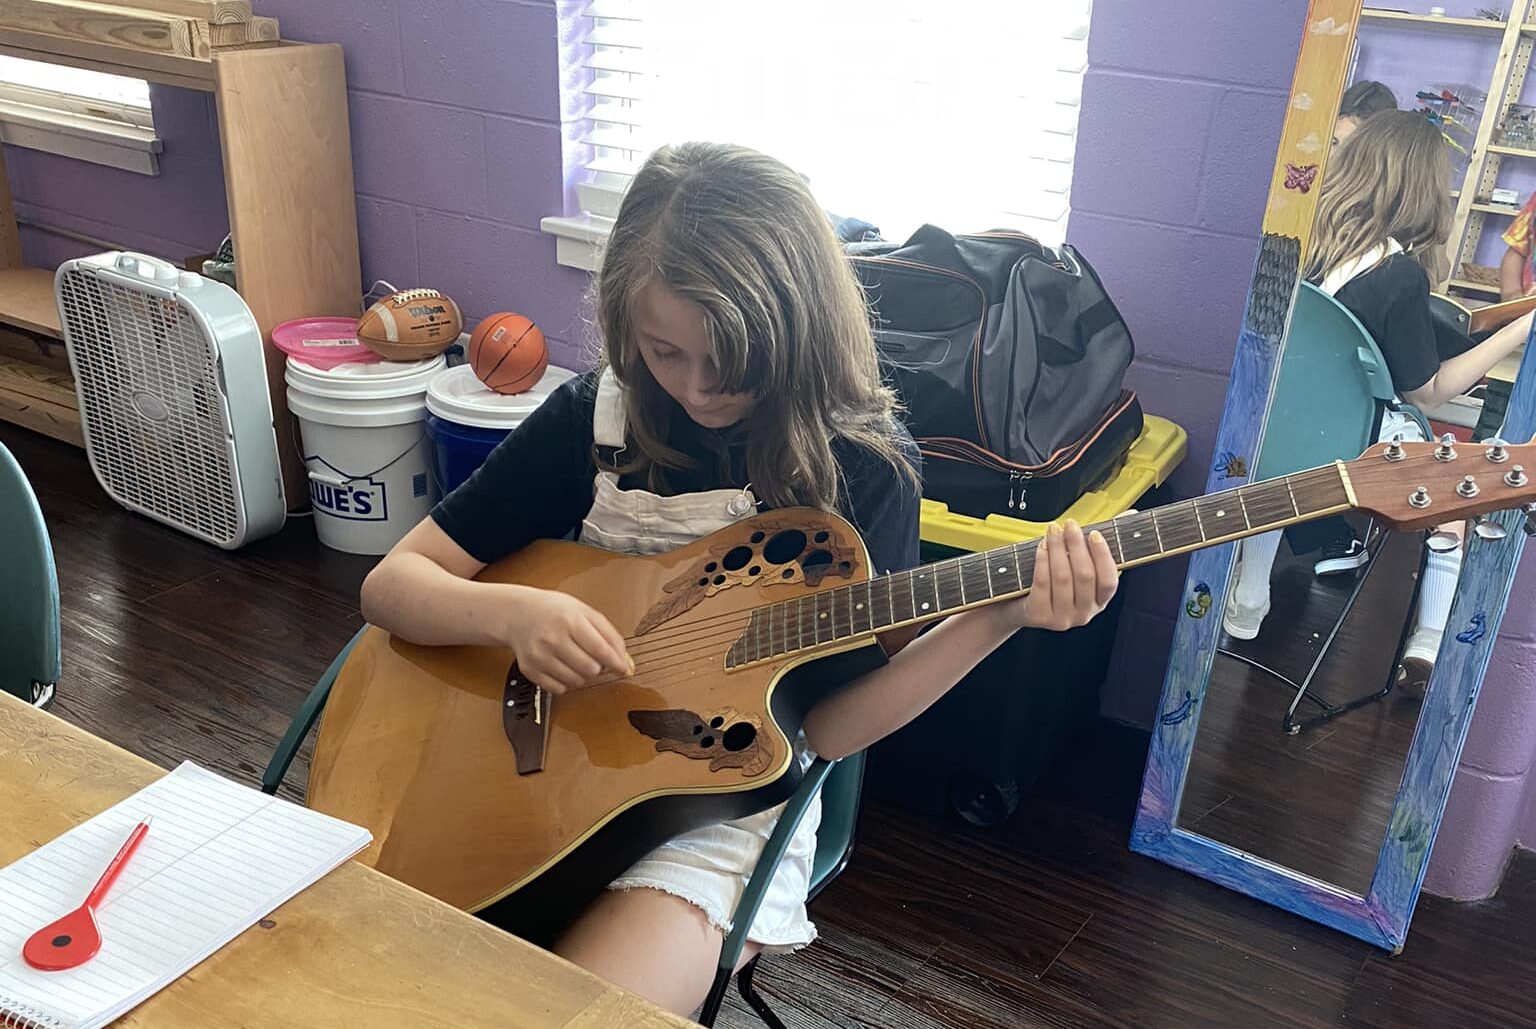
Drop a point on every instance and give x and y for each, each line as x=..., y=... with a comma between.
x=218, y=857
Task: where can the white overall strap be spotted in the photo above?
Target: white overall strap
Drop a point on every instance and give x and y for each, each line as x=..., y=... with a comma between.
x=608, y=422
x=1341, y=275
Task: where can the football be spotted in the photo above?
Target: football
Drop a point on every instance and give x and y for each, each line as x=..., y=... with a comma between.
x=411, y=325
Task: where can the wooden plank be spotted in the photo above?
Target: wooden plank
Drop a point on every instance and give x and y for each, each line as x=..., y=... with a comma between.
x=166, y=69
x=356, y=948
x=50, y=385
x=107, y=25
x=27, y=301
x=215, y=12
x=256, y=30
x=10, y=234
x=1430, y=21
x=292, y=204
x=20, y=404
x=32, y=348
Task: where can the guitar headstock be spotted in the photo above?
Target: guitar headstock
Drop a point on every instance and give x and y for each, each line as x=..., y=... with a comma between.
x=1421, y=485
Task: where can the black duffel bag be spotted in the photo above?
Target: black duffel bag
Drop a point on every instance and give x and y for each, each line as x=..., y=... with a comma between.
x=1009, y=358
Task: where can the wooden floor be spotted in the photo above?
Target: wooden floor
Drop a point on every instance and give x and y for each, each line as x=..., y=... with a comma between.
x=176, y=650
x=1318, y=801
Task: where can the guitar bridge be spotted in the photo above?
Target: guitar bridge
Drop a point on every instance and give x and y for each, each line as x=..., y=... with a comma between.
x=525, y=715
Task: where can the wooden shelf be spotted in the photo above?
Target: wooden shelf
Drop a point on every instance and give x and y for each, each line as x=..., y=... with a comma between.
x=189, y=72
x=41, y=399
x=26, y=301
x=1476, y=287
x=1509, y=151
x=1509, y=209
x=1429, y=21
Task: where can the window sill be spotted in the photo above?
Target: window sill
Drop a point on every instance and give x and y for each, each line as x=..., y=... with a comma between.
x=579, y=239
x=80, y=136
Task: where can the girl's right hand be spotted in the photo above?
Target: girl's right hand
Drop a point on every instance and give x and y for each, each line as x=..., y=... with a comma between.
x=563, y=644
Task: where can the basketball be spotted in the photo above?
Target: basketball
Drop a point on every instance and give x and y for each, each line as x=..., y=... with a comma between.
x=508, y=353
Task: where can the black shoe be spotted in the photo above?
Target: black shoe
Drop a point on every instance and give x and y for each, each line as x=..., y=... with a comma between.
x=1343, y=555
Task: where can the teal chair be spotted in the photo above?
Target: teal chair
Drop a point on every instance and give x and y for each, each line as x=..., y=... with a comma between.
x=839, y=784
x=29, y=604
x=1326, y=407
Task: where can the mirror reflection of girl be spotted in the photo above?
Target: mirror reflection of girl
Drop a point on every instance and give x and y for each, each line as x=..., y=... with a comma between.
x=1385, y=206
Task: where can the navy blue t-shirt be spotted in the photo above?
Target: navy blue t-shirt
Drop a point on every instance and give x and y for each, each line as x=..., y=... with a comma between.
x=537, y=483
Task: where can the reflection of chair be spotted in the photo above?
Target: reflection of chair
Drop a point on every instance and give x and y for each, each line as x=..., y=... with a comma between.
x=1326, y=407
x=29, y=605
x=838, y=782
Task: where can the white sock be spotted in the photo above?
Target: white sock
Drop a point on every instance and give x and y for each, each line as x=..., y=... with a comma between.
x=1255, y=562
x=1441, y=573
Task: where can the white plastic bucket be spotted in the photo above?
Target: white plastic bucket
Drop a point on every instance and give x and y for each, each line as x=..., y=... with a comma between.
x=365, y=449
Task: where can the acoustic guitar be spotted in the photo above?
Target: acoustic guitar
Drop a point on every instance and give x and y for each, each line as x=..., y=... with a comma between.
x=482, y=790
x=1478, y=322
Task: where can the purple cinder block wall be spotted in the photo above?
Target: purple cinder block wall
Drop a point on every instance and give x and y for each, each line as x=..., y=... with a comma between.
x=458, y=154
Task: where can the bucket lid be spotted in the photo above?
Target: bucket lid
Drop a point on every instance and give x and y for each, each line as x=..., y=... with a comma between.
x=322, y=342
x=356, y=380
x=457, y=396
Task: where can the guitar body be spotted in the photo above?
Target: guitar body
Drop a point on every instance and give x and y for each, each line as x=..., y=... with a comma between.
x=480, y=789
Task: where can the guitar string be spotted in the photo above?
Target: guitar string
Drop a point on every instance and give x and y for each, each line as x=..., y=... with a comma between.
x=739, y=621
x=1301, y=484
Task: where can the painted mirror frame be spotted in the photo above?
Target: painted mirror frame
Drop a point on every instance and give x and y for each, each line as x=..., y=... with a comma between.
x=1382, y=916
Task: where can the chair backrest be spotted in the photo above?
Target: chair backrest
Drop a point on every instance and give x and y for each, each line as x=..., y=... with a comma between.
x=839, y=818
x=29, y=603
x=1332, y=376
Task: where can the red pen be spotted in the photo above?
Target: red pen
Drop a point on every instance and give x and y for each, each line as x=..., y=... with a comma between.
x=74, y=939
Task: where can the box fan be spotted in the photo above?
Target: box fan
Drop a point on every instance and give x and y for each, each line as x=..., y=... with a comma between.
x=172, y=385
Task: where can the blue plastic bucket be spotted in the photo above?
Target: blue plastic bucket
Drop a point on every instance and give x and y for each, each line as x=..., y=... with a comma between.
x=465, y=420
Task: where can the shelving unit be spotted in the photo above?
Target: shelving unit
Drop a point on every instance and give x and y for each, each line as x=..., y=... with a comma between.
x=286, y=144
x=1430, y=21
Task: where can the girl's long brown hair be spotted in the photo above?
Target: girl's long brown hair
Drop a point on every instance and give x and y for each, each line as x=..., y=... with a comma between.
x=739, y=234
x=1391, y=179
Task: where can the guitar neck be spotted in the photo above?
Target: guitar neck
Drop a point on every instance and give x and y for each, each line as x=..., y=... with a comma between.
x=933, y=591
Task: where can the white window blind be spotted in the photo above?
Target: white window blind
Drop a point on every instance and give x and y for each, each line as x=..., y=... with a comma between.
x=898, y=112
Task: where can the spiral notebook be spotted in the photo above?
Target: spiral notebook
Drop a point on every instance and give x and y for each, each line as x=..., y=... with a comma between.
x=217, y=858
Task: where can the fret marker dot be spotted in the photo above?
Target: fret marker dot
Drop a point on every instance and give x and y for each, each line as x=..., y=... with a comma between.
x=858, y=607
x=1221, y=514
x=823, y=614
x=1136, y=535
x=925, y=606
x=1002, y=568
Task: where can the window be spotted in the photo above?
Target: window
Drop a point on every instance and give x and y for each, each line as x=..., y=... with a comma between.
x=897, y=112
x=87, y=115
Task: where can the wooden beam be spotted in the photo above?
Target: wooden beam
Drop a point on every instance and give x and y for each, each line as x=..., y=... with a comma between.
x=167, y=69
x=292, y=204
x=257, y=30
x=215, y=12
x=108, y=25
x=39, y=399
x=10, y=235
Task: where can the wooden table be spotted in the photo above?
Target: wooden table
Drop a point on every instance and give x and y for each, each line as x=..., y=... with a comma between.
x=356, y=949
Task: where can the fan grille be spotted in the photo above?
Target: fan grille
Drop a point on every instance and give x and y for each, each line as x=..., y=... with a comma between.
x=152, y=409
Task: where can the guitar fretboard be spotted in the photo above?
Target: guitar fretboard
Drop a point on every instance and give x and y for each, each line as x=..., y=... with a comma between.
x=932, y=591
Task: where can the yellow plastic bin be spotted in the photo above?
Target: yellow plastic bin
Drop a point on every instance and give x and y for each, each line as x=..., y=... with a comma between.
x=1152, y=458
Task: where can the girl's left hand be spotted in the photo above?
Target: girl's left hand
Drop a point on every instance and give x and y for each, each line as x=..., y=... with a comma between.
x=1075, y=577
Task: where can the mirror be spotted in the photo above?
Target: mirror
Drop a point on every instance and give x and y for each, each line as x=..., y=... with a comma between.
x=1322, y=675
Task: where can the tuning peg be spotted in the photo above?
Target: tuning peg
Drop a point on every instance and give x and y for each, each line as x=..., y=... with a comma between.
x=1446, y=451
x=1488, y=529
x=1419, y=498
x=1442, y=542
x=1467, y=487
x=1394, y=451
x=1516, y=476
x=1497, y=451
